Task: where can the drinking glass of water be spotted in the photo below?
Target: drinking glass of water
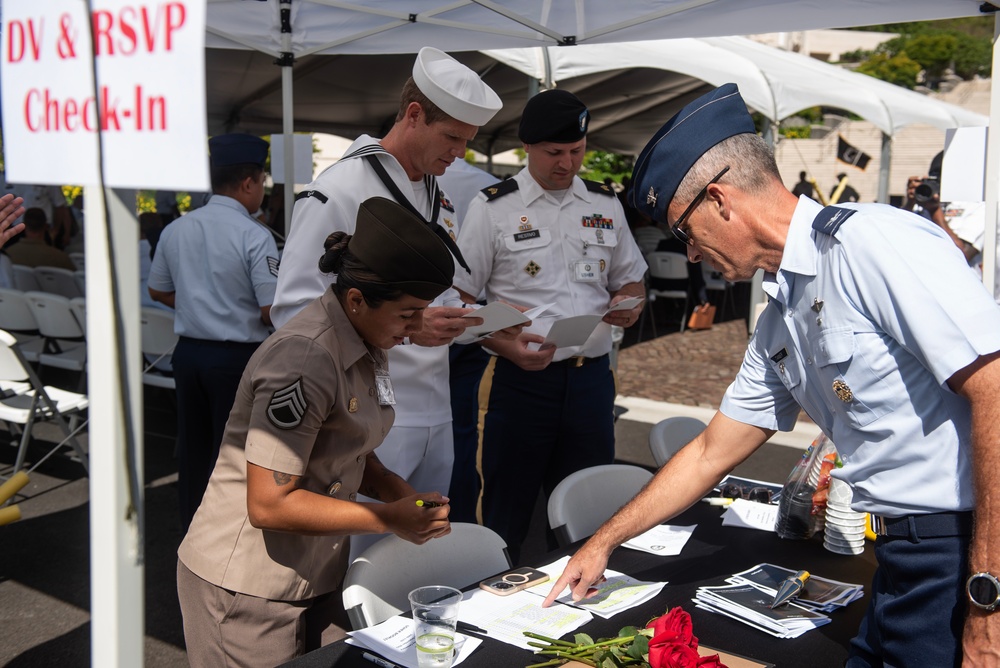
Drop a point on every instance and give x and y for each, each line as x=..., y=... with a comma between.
x=435, y=614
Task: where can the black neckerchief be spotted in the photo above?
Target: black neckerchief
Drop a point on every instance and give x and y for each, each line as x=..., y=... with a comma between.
x=435, y=194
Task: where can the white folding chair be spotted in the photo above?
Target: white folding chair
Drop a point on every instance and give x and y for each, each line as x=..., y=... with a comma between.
x=714, y=282
x=583, y=500
x=58, y=281
x=669, y=266
x=65, y=347
x=25, y=401
x=81, y=281
x=378, y=581
x=158, y=342
x=17, y=319
x=24, y=278
x=670, y=435
x=79, y=259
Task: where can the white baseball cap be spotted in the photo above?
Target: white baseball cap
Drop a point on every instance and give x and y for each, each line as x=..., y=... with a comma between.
x=454, y=88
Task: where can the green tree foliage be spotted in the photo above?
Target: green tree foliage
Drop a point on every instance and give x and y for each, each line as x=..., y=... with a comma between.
x=598, y=165
x=899, y=69
x=962, y=45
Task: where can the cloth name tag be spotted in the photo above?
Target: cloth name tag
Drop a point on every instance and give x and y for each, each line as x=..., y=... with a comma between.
x=530, y=234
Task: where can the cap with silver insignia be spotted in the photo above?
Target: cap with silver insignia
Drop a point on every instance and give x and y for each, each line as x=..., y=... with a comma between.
x=677, y=146
x=454, y=88
x=556, y=116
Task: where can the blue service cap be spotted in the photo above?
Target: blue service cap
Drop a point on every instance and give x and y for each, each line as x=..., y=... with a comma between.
x=673, y=150
x=237, y=149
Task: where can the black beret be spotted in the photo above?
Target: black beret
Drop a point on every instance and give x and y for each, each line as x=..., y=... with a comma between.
x=401, y=249
x=237, y=149
x=554, y=115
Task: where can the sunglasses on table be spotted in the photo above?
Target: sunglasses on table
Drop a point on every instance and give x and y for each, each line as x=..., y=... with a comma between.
x=682, y=234
x=757, y=494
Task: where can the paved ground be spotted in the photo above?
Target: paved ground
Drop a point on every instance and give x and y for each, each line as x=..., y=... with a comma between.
x=44, y=558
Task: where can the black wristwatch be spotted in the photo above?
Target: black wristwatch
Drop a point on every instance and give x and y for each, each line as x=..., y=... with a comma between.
x=984, y=591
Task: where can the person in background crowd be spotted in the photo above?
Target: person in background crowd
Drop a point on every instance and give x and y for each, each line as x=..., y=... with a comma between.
x=34, y=249
x=11, y=209
x=899, y=366
x=803, y=187
x=466, y=363
x=217, y=268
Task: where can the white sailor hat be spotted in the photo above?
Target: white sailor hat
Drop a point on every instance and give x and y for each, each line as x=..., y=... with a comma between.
x=454, y=88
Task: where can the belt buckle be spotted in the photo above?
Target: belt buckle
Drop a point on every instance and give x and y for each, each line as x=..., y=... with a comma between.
x=578, y=360
x=878, y=525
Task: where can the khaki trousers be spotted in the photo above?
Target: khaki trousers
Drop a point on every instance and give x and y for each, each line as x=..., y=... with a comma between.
x=226, y=628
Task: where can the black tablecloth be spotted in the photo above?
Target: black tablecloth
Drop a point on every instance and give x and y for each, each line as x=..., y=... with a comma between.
x=713, y=553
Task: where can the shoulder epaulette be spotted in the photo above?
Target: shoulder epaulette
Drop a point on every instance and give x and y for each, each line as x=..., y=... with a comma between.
x=829, y=220
x=598, y=187
x=312, y=193
x=499, y=189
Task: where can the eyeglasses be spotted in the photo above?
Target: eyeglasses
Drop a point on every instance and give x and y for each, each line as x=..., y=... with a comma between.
x=682, y=235
x=758, y=494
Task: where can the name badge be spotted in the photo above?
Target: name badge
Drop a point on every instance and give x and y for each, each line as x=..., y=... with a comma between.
x=384, y=387
x=525, y=236
x=586, y=271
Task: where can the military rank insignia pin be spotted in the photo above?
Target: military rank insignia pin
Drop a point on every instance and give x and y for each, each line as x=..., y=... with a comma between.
x=352, y=405
x=842, y=391
x=651, y=196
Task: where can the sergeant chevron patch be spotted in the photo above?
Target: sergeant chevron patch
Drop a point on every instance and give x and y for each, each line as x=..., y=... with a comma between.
x=288, y=406
x=272, y=265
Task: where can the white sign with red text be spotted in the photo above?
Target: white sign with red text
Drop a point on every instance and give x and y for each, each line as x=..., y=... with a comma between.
x=149, y=102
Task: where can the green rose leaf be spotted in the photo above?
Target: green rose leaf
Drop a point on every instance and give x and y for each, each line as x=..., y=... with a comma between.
x=583, y=639
x=628, y=631
x=639, y=647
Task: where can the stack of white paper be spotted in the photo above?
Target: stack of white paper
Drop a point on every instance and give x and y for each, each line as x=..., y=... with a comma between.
x=819, y=593
x=393, y=639
x=750, y=606
x=749, y=594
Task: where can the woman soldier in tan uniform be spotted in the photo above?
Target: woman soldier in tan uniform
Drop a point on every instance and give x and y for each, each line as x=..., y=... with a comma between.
x=260, y=570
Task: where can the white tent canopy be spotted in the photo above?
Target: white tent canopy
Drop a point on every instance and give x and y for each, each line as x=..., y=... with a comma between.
x=774, y=82
x=631, y=88
x=403, y=26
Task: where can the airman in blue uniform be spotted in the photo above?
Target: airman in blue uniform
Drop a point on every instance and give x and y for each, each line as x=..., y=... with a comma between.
x=218, y=268
x=897, y=363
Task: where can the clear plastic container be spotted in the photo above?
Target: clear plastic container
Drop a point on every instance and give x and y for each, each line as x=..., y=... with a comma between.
x=802, y=506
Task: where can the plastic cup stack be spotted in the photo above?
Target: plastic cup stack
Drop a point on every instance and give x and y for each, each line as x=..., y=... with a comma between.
x=845, y=528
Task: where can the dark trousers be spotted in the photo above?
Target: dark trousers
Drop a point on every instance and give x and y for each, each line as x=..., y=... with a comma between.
x=918, y=604
x=207, y=375
x=466, y=366
x=540, y=426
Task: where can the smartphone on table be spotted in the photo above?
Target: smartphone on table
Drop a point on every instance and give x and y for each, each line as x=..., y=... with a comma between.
x=514, y=580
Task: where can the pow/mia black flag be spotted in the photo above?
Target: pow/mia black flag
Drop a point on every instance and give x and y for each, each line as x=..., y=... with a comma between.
x=850, y=155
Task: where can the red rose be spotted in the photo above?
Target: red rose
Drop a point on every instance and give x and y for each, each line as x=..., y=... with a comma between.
x=675, y=655
x=710, y=662
x=676, y=623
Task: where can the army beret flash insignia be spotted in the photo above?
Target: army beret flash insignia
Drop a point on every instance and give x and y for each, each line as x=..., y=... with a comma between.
x=288, y=406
